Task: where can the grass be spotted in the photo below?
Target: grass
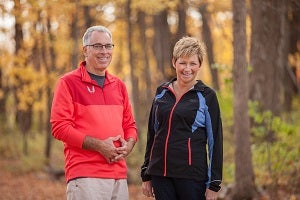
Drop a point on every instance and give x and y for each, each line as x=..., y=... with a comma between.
x=11, y=148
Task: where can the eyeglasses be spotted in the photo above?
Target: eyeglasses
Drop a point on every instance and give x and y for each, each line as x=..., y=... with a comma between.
x=98, y=46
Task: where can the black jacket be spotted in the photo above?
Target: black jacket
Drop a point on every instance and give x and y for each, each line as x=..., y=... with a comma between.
x=179, y=134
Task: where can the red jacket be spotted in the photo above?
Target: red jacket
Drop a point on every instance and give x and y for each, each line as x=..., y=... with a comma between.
x=80, y=107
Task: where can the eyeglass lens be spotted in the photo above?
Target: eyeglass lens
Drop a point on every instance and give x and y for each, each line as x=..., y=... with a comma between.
x=100, y=46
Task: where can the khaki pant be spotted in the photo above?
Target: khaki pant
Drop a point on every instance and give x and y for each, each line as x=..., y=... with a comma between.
x=97, y=189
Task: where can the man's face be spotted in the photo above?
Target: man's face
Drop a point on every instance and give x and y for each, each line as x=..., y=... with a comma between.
x=98, y=58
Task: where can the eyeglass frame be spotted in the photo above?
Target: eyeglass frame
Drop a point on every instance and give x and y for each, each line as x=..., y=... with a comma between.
x=100, y=46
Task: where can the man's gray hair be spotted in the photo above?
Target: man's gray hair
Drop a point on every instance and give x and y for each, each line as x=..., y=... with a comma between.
x=87, y=35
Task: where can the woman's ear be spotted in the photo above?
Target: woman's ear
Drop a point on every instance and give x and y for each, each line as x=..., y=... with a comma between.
x=173, y=62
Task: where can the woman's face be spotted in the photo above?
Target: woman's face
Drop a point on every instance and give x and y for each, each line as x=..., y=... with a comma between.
x=187, y=68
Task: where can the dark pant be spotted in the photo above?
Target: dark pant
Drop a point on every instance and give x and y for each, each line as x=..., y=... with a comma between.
x=177, y=188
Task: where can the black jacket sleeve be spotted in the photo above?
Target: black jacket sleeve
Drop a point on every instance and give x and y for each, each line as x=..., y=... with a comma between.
x=217, y=153
x=150, y=139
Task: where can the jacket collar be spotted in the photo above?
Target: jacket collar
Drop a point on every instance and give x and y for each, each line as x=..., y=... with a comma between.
x=200, y=86
x=86, y=77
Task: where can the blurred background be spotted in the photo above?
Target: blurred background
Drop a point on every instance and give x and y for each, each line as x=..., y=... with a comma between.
x=252, y=62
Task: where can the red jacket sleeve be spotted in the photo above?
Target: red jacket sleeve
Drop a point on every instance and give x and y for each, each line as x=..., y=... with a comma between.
x=129, y=125
x=62, y=116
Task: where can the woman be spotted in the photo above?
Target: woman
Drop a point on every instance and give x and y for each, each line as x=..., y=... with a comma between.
x=184, y=152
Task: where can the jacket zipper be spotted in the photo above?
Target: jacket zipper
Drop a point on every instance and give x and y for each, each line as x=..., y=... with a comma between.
x=169, y=131
x=167, y=139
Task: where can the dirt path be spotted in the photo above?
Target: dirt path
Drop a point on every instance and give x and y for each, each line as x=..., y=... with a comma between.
x=39, y=186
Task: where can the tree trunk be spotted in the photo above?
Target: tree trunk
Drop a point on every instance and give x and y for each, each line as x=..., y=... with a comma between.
x=88, y=19
x=18, y=44
x=267, y=54
x=49, y=67
x=146, y=76
x=18, y=26
x=244, y=175
x=145, y=56
x=162, y=46
x=181, y=27
x=36, y=58
x=3, y=99
x=23, y=117
x=207, y=37
x=133, y=77
x=74, y=35
x=292, y=84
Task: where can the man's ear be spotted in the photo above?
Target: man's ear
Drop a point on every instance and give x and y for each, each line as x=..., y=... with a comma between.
x=84, y=49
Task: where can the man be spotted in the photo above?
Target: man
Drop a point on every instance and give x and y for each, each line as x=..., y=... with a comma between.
x=91, y=114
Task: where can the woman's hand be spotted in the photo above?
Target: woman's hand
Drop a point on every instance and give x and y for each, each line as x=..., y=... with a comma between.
x=211, y=195
x=147, y=189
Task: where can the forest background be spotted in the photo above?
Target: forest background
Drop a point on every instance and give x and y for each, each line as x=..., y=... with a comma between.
x=253, y=63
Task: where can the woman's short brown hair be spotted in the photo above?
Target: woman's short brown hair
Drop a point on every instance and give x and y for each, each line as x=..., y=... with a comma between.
x=189, y=46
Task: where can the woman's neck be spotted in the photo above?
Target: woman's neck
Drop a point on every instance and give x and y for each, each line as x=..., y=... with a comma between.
x=185, y=86
x=181, y=88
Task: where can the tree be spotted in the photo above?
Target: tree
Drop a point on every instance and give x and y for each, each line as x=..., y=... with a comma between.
x=268, y=53
x=244, y=175
x=207, y=37
x=162, y=44
x=24, y=113
x=4, y=91
x=74, y=34
x=292, y=84
x=49, y=66
x=181, y=25
x=134, y=78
